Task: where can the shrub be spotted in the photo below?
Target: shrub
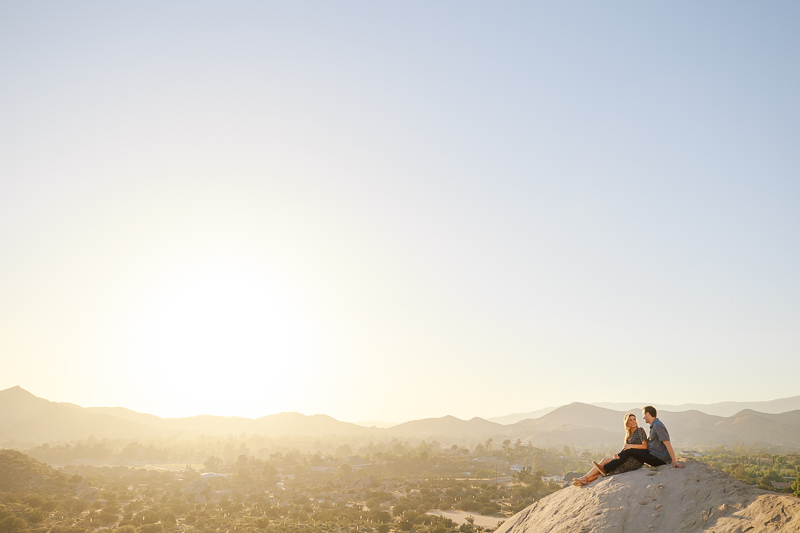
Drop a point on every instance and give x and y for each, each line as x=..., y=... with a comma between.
x=470, y=506
x=35, y=516
x=146, y=517
x=49, y=506
x=35, y=501
x=76, y=506
x=12, y=524
x=107, y=518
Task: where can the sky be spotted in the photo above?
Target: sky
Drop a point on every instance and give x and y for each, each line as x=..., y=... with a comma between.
x=398, y=210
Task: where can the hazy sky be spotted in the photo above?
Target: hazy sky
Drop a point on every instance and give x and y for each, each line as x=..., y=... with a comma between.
x=397, y=210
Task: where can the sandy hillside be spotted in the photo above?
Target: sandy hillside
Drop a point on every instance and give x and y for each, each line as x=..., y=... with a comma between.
x=670, y=500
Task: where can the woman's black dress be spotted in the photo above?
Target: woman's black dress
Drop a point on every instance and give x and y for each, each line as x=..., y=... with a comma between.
x=631, y=464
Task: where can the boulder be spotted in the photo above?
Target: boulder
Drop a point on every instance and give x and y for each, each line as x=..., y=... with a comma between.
x=664, y=499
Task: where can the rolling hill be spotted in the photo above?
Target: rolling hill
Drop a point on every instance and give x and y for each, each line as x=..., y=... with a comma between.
x=26, y=419
x=20, y=472
x=447, y=426
x=724, y=409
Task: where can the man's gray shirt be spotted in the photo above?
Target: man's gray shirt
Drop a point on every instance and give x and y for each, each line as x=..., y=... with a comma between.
x=655, y=444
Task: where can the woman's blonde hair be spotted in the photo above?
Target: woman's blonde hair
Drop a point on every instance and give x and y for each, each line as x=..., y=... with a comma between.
x=628, y=430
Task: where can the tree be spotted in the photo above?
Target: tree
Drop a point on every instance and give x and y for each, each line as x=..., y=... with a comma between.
x=35, y=516
x=13, y=523
x=344, y=451
x=524, y=475
x=399, y=509
x=796, y=486
x=213, y=463
x=270, y=473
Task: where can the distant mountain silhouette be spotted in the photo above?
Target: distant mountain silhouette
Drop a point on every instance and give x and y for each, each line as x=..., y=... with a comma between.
x=376, y=423
x=62, y=422
x=447, y=426
x=316, y=425
x=28, y=419
x=18, y=405
x=277, y=425
x=518, y=417
x=572, y=436
x=754, y=428
x=576, y=415
x=781, y=405
x=126, y=414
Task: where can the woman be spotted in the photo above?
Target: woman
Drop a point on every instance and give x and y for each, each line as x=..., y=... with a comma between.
x=635, y=437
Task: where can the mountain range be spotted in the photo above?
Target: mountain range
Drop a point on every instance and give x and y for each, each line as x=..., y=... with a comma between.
x=28, y=419
x=772, y=407
x=719, y=409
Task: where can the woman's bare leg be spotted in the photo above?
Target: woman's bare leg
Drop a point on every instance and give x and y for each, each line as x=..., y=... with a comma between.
x=594, y=473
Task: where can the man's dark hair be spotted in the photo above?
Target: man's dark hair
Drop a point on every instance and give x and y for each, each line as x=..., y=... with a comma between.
x=649, y=409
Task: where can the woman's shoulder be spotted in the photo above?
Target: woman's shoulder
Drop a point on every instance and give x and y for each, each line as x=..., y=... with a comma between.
x=640, y=430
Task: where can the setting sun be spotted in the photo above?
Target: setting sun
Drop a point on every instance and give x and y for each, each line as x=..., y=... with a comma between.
x=221, y=329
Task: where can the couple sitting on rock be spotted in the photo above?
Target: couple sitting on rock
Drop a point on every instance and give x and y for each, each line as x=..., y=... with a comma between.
x=638, y=449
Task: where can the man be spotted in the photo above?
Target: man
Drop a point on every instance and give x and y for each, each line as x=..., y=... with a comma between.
x=659, y=449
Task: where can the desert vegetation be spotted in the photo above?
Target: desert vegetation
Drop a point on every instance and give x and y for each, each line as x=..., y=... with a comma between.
x=770, y=471
x=303, y=486
x=392, y=488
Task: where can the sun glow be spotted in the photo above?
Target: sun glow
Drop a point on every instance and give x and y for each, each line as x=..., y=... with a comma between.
x=223, y=330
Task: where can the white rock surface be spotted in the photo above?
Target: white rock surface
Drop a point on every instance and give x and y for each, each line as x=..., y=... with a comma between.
x=670, y=500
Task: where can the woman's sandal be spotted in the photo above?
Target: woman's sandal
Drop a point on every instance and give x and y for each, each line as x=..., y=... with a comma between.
x=580, y=482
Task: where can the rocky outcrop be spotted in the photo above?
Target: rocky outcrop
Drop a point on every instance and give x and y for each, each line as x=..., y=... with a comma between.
x=199, y=492
x=696, y=498
x=21, y=472
x=86, y=492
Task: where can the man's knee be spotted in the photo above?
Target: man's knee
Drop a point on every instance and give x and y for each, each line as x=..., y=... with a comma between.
x=642, y=455
x=651, y=460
